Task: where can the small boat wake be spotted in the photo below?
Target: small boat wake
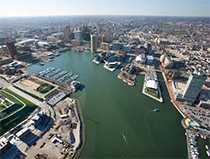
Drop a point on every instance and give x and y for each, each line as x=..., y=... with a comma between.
x=124, y=138
x=156, y=110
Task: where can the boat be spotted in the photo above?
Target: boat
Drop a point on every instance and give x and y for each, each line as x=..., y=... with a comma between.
x=63, y=50
x=74, y=77
x=130, y=83
x=124, y=138
x=57, y=54
x=111, y=66
x=42, y=63
x=156, y=110
x=95, y=61
x=106, y=66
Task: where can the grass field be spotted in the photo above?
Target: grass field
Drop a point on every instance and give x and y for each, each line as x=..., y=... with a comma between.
x=2, y=106
x=7, y=103
x=44, y=88
x=4, y=102
x=14, y=110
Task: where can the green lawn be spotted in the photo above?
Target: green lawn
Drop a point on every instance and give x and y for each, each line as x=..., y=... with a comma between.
x=7, y=103
x=18, y=104
x=21, y=105
x=2, y=106
x=10, y=97
x=44, y=88
x=27, y=102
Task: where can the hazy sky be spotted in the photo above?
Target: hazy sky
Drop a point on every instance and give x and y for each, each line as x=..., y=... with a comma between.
x=104, y=7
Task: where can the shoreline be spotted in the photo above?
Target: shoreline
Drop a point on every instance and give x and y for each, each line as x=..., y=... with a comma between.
x=82, y=131
x=81, y=151
x=176, y=106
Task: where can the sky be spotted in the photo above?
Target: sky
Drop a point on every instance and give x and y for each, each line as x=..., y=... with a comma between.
x=104, y=7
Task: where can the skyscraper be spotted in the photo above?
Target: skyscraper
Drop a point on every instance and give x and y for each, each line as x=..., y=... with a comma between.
x=68, y=35
x=12, y=49
x=93, y=43
x=193, y=87
x=78, y=34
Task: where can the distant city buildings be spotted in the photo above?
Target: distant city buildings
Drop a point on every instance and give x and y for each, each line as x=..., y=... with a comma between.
x=9, y=50
x=56, y=37
x=4, y=50
x=105, y=46
x=106, y=37
x=173, y=46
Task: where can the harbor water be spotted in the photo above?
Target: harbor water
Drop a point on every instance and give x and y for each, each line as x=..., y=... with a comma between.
x=119, y=120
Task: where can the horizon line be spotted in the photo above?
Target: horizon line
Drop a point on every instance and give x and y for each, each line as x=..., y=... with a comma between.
x=100, y=15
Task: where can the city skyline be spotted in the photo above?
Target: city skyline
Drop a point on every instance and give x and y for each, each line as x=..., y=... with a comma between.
x=11, y=8
x=143, y=81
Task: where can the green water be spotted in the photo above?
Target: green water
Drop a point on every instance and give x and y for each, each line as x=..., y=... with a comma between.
x=119, y=122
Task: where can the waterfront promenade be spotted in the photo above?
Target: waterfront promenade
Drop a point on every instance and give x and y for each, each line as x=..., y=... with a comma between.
x=176, y=104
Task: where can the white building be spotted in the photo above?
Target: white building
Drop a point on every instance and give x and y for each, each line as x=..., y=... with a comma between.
x=141, y=59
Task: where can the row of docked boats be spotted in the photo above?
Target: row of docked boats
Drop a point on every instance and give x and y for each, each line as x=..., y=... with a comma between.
x=58, y=75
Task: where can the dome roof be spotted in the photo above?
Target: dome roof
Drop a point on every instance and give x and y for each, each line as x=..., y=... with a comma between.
x=162, y=58
x=167, y=62
x=190, y=123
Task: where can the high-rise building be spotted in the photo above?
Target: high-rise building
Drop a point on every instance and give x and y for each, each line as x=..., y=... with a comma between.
x=12, y=49
x=193, y=87
x=4, y=50
x=78, y=34
x=106, y=37
x=86, y=33
x=93, y=43
x=67, y=33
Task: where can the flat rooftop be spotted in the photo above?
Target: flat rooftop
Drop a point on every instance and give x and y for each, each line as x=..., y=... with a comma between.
x=180, y=86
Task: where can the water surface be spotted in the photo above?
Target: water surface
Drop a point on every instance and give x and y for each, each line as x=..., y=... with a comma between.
x=119, y=122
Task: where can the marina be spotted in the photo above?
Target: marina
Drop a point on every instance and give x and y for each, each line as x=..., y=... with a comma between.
x=58, y=75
